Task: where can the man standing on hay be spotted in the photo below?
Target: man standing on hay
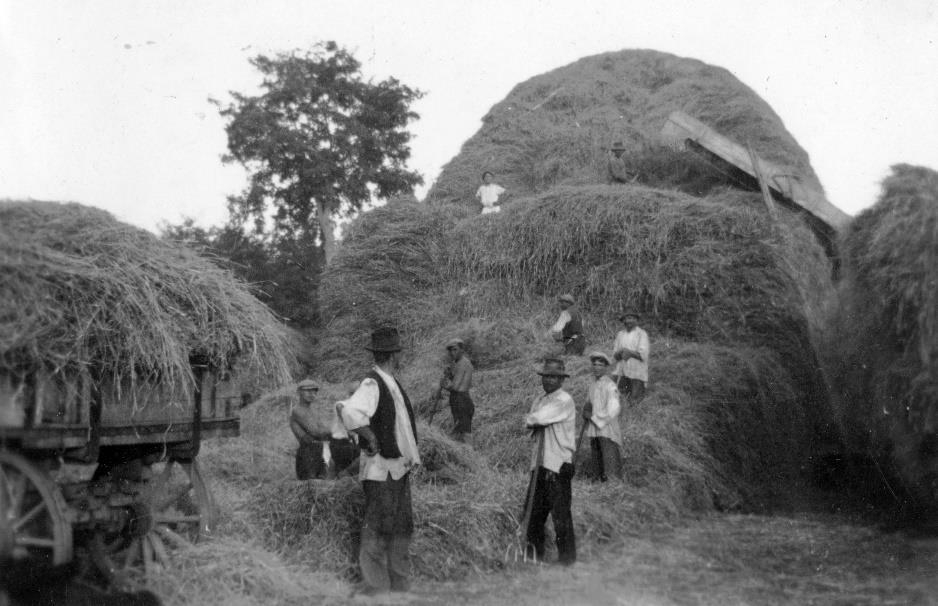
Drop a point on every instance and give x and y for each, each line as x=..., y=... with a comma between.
x=552, y=421
x=457, y=380
x=380, y=413
x=325, y=448
x=601, y=415
x=569, y=327
x=631, y=350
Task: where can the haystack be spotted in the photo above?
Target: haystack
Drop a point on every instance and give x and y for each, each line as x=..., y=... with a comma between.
x=732, y=298
x=83, y=291
x=883, y=343
x=556, y=127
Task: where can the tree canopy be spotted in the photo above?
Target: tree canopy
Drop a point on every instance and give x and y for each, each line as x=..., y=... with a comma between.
x=318, y=142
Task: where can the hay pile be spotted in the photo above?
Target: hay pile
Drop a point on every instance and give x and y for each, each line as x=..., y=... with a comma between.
x=883, y=343
x=553, y=129
x=83, y=291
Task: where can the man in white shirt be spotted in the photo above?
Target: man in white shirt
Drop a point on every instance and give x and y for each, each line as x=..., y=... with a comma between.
x=488, y=194
x=569, y=326
x=631, y=350
x=552, y=419
x=601, y=414
x=380, y=413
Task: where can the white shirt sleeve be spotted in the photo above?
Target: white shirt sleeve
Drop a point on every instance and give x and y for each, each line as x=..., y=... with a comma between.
x=561, y=322
x=358, y=408
x=644, y=346
x=554, y=410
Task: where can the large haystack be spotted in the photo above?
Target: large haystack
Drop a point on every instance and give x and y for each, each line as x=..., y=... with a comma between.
x=883, y=347
x=554, y=128
x=83, y=291
x=731, y=298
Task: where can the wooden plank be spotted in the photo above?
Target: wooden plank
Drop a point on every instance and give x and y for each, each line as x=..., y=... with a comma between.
x=679, y=127
x=763, y=186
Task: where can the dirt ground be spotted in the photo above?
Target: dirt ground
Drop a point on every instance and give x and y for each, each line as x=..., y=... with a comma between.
x=803, y=559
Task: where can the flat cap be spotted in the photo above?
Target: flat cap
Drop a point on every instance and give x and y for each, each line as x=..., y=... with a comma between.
x=598, y=355
x=455, y=342
x=307, y=384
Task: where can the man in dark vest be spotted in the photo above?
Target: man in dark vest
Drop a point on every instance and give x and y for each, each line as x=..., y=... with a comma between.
x=380, y=413
x=569, y=327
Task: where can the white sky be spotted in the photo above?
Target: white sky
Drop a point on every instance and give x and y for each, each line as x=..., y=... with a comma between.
x=105, y=103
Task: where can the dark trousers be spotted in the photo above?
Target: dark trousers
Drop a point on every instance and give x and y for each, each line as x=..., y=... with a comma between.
x=309, y=463
x=633, y=388
x=388, y=525
x=552, y=496
x=607, y=460
x=463, y=409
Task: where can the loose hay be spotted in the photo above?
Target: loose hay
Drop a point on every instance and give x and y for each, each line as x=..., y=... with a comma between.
x=81, y=290
x=882, y=350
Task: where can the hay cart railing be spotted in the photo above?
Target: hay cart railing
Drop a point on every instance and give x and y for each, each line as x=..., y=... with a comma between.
x=107, y=467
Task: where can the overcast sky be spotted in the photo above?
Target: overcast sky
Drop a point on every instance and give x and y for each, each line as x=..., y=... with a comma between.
x=106, y=103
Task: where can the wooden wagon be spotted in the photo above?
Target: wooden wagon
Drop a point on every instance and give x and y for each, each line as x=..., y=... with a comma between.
x=108, y=468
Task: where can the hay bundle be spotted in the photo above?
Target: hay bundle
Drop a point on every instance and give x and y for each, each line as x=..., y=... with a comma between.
x=81, y=290
x=883, y=348
x=554, y=128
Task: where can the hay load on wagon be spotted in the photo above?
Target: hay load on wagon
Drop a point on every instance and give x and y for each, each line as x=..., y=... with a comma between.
x=882, y=350
x=119, y=354
x=732, y=298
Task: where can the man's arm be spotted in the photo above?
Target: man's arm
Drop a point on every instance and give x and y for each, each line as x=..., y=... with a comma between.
x=555, y=411
x=356, y=411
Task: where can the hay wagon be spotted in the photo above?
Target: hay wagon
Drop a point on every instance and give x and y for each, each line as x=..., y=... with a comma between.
x=108, y=468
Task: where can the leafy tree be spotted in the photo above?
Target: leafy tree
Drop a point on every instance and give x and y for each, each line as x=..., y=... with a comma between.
x=284, y=272
x=318, y=143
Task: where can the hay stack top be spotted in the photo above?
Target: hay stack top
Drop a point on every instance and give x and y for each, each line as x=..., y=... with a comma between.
x=556, y=127
x=81, y=290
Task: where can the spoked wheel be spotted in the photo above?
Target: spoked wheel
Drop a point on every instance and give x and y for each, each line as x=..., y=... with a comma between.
x=174, y=509
x=33, y=523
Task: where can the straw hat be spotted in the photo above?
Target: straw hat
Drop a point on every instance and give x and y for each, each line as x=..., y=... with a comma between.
x=385, y=340
x=625, y=314
x=553, y=367
x=455, y=343
x=567, y=297
x=598, y=355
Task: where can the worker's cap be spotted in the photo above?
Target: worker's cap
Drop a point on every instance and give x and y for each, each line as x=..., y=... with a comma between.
x=598, y=355
x=553, y=367
x=456, y=342
x=617, y=146
x=628, y=314
x=567, y=297
x=385, y=339
x=307, y=384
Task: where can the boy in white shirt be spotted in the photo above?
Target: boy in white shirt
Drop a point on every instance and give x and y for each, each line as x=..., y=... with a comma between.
x=488, y=193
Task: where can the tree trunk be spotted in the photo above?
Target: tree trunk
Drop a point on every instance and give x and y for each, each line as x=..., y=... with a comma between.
x=326, y=230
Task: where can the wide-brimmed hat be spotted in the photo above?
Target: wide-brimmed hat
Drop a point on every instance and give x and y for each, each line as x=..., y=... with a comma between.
x=553, y=367
x=567, y=297
x=598, y=355
x=625, y=314
x=617, y=146
x=385, y=340
x=307, y=384
x=456, y=342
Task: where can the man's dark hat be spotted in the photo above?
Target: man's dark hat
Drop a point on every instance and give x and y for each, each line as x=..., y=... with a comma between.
x=553, y=367
x=617, y=146
x=385, y=340
x=631, y=312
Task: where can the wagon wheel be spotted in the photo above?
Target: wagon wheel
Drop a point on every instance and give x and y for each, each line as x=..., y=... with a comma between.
x=175, y=509
x=33, y=523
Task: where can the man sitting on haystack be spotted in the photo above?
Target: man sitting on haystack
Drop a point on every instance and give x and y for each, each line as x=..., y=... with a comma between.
x=380, y=413
x=326, y=451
